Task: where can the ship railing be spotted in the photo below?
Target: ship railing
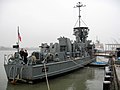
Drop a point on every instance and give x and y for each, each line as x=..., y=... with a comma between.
x=14, y=74
x=7, y=58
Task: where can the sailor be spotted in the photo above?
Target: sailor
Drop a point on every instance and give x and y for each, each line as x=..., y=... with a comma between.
x=33, y=58
x=22, y=53
x=25, y=56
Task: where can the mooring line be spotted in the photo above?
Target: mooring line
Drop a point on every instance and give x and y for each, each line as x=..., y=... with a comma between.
x=75, y=62
x=48, y=86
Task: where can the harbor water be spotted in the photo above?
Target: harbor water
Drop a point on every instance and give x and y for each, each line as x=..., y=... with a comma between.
x=87, y=78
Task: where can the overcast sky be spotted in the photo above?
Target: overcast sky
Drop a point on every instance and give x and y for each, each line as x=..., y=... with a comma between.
x=46, y=20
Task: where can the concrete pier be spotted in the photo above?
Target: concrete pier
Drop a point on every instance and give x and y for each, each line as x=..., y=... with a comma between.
x=115, y=69
x=117, y=72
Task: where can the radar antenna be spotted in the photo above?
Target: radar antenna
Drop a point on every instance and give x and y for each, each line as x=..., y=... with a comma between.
x=79, y=5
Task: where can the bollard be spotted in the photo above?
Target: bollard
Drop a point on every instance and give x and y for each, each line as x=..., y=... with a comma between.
x=107, y=78
x=106, y=85
x=108, y=73
x=110, y=68
x=107, y=68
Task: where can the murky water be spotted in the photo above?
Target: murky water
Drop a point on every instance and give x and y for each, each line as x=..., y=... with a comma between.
x=87, y=78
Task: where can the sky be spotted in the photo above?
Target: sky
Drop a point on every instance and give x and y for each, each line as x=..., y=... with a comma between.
x=43, y=21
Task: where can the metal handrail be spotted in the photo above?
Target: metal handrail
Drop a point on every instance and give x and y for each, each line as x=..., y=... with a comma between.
x=21, y=72
x=7, y=58
x=10, y=70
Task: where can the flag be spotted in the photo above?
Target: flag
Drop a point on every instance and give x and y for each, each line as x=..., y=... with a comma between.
x=19, y=37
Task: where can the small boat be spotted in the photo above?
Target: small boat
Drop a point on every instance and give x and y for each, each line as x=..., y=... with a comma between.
x=99, y=63
x=53, y=59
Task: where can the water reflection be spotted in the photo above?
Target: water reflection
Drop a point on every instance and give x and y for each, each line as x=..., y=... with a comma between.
x=97, y=82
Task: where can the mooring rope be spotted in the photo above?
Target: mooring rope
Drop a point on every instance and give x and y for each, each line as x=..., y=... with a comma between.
x=48, y=86
x=74, y=62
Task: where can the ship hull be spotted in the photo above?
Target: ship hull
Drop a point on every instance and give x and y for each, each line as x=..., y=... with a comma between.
x=34, y=72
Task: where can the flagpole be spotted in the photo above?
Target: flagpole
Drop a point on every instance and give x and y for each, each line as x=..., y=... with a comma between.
x=18, y=39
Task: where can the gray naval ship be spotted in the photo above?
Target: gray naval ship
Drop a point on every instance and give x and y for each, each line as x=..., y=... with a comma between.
x=53, y=59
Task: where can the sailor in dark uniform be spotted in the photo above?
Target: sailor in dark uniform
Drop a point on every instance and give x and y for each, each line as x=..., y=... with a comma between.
x=22, y=53
x=25, y=56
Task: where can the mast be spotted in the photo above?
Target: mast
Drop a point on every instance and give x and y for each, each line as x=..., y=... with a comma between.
x=79, y=5
x=81, y=33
